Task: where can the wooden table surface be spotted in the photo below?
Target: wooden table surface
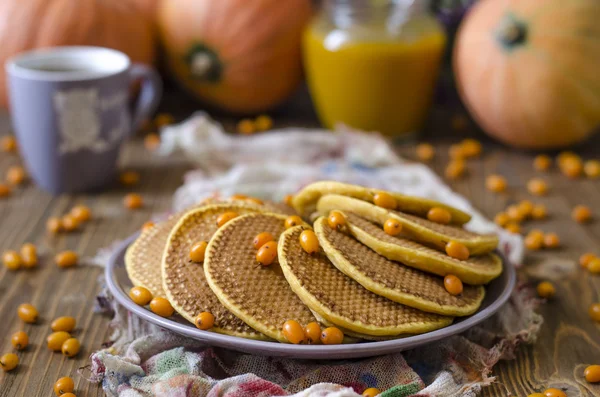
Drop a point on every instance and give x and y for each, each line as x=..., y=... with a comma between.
x=568, y=340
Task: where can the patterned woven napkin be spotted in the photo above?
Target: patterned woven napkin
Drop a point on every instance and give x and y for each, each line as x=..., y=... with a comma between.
x=144, y=360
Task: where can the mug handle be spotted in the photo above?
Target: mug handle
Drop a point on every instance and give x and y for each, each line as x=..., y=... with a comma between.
x=150, y=93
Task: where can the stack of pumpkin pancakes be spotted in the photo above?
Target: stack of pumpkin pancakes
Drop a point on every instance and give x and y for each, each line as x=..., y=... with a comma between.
x=370, y=284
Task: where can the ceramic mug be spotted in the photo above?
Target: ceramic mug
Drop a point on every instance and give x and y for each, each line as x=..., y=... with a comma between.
x=71, y=111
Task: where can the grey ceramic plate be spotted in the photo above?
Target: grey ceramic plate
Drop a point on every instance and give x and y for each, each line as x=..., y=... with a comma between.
x=498, y=292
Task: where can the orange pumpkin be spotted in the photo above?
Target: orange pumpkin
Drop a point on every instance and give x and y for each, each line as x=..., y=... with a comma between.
x=529, y=70
x=26, y=25
x=242, y=56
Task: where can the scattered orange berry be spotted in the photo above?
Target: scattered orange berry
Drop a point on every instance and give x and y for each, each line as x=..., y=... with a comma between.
x=542, y=162
x=425, y=152
x=69, y=223
x=162, y=307
x=63, y=386
x=439, y=215
x=457, y=250
x=140, y=295
x=594, y=312
x=4, y=190
x=513, y=227
x=537, y=187
x=526, y=208
x=8, y=144
x=581, y=214
x=332, y=336
x=453, y=284
x=309, y=242
x=585, y=259
x=288, y=200
x=70, y=347
x=66, y=259
x=261, y=239
x=566, y=156
x=246, y=127
x=591, y=169
x=27, y=312
x=152, y=141
x=393, y=227
x=515, y=213
x=9, y=361
x=312, y=333
x=82, y=213
x=226, y=217
x=267, y=253
x=551, y=240
x=292, y=221
x=534, y=241
x=371, y=392
x=539, y=212
x=129, y=178
x=385, y=200
x=54, y=225
x=263, y=122
x=572, y=167
x=56, y=339
x=471, y=148
x=64, y=323
x=336, y=220
x=204, y=321
x=12, y=260
x=455, y=152
x=133, y=201
x=19, y=340
x=501, y=219
x=594, y=266
x=592, y=373
x=198, y=251
x=546, y=290
x=455, y=169
x=293, y=332
x=552, y=392
x=148, y=225
x=68, y=395
x=495, y=183
x=16, y=175
x=29, y=255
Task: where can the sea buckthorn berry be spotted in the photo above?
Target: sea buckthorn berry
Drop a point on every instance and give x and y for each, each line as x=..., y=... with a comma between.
x=152, y=141
x=27, y=312
x=385, y=200
x=515, y=213
x=263, y=122
x=261, y=239
x=439, y=215
x=16, y=175
x=8, y=144
x=267, y=254
x=63, y=386
x=585, y=259
x=12, y=260
x=292, y=221
x=455, y=169
x=69, y=223
x=9, y=361
x=566, y=155
x=592, y=373
x=129, y=178
x=246, y=127
x=148, y=225
x=68, y=395
x=455, y=152
x=453, y=285
x=312, y=333
x=572, y=168
x=591, y=169
x=19, y=340
x=551, y=240
x=371, y=392
x=594, y=312
x=133, y=201
x=495, y=183
x=534, y=241
x=140, y=295
x=64, y=323
x=162, y=307
x=226, y=217
x=552, y=392
x=293, y=332
x=501, y=219
x=4, y=190
x=56, y=339
x=594, y=266
x=546, y=290
x=29, y=255
x=539, y=212
x=309, y=241
x=537, y=187
x=425, y=152
x=581, y=214
x=457, y=250
x=542, y=162
x=204, y=321
x=198, y=251
x=82, y=213
x=513, y=227
x=54, y=225
x=332, y=336
x=526, y=207
x=336, y=220
x=70, y=347
x=66, y=259
x=288, y=199
x=393, y=227
x=471, y=148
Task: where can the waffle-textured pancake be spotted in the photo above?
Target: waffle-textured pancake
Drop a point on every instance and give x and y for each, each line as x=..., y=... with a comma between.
x=476, y=270
x=352, y=336
x=259, y=295
x=413, y=227
x=305, y=201
x=344, y=302
x=184, y=282
x=393, y=280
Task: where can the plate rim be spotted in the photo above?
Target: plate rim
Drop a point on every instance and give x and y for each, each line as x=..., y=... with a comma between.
x=266, y=348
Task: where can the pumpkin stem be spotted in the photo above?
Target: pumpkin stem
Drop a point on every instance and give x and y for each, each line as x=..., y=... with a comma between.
x=204, y=64
x=511, y=32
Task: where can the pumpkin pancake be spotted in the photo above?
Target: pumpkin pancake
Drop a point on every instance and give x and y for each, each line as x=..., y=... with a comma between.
x=413, y=227
x=344, y=302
